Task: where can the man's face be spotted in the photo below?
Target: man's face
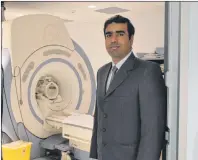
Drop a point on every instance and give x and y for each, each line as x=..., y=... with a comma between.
x=117, y=41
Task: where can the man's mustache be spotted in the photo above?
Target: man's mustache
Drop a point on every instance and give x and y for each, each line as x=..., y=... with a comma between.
x=114, y=45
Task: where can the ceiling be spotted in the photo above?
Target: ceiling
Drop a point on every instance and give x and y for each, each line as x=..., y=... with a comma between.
x=79, y=11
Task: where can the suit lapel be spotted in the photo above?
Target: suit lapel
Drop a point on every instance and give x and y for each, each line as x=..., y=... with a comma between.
x=118, y=79
x=121, y=75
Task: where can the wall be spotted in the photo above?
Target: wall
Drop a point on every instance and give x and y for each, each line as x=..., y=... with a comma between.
x=192, y=128
x=149, y=34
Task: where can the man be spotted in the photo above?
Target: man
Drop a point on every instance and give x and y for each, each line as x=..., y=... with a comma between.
x=130, y=114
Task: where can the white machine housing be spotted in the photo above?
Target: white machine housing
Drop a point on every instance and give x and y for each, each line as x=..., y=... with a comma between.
x=51, y=89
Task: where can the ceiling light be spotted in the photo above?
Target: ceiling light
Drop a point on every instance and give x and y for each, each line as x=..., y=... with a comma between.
x=91, y=6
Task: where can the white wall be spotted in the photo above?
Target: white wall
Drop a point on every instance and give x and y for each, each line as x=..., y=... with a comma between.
x=192, y=124
x=149, y=34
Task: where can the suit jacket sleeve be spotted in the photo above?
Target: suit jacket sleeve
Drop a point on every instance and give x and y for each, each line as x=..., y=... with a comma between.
x=93, y=148
x=152, y=100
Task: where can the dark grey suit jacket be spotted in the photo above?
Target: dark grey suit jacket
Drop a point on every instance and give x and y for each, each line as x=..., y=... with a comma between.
x=130, y=119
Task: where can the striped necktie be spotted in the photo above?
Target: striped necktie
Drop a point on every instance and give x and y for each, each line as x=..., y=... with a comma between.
x=113, y=70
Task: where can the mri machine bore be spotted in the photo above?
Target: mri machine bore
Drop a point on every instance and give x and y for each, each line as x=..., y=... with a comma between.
x=49, y=87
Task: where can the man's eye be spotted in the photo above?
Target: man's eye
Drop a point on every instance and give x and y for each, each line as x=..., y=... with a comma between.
x=121, y=34
x=108, y=35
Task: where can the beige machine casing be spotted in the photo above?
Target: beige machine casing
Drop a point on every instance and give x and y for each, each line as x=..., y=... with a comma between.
x=45, y=53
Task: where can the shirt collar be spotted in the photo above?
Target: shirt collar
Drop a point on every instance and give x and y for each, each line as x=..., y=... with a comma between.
x=121, y=62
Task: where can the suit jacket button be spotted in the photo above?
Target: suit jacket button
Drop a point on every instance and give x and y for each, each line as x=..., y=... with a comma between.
x=105, y=115
x=104, y=144
x=104, y=129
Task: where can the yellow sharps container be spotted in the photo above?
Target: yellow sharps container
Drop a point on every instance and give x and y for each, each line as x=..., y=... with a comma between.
x=18, y=150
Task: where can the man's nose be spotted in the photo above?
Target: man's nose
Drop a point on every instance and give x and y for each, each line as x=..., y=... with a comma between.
x=114, y=38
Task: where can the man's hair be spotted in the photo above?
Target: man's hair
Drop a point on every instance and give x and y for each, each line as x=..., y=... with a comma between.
x=120, y=19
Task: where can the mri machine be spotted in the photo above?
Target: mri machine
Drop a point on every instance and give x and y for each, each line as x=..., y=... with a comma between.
x=49, y=88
